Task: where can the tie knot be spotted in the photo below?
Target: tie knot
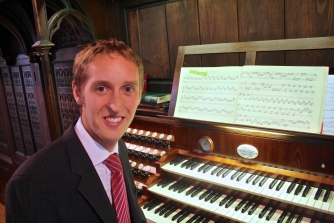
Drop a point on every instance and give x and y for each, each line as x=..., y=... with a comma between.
x=113, y=163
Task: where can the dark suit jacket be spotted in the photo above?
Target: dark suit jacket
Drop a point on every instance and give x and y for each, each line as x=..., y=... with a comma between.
x=60, y=184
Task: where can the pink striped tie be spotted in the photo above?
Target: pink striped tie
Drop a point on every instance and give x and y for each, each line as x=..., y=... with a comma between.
x=118, y=190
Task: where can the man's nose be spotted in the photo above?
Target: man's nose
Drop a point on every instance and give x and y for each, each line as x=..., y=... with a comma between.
x=115, y=102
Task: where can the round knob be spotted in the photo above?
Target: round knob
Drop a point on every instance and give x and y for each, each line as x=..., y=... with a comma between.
x=323, y=165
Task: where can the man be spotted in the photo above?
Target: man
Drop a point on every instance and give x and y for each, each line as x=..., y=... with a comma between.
x=70, y=180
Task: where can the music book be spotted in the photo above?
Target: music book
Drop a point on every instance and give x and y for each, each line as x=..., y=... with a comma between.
x=279, y=97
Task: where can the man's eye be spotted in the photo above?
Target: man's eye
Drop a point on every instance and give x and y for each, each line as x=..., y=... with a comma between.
x=128, y=89
x=101, y=89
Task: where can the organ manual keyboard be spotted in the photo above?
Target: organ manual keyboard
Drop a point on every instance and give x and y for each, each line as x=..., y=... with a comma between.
x=196, y=171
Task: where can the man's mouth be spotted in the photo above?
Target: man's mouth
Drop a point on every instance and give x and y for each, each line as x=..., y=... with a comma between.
x=114, y=120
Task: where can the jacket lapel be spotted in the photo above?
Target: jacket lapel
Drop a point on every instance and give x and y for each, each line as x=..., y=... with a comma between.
x=90, y=185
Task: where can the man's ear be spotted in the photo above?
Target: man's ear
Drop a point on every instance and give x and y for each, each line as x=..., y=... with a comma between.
x=77, y=94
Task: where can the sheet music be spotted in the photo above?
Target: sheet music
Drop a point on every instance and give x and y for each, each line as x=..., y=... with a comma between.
x=329, y=108
x=281, y=97
x=208, y=93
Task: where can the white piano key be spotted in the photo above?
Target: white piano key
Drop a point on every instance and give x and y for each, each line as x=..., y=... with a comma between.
x=311, y=201
x=170, y=217
x=297, y=198
x=331, y=203
x=303, y=200
x=231, y=210
x=318, y=203
x=265, y=188
x=283, y=195
x=277, y=193
x=326, y=205
x=187, y=218
x=195, y=201
x=253, y=217
x=150, y=214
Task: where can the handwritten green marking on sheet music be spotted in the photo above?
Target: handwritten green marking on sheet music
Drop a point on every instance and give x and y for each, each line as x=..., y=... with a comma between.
x=201, y=73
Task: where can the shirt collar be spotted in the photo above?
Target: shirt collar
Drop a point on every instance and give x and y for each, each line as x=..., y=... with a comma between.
x=96, y=152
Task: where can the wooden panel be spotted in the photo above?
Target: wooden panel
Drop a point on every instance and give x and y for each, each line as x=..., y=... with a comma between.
x=218, y=23
x=182, y=26
x=262, y=20
x=153, y=39
x=133, y=30
x=311, y=18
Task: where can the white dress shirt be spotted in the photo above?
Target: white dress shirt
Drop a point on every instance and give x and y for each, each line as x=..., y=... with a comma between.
x=97, y=154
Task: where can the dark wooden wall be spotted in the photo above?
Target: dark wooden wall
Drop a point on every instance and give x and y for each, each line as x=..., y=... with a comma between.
x=154, y=29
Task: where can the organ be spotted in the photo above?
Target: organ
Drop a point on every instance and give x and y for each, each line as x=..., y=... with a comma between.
x=190, y=170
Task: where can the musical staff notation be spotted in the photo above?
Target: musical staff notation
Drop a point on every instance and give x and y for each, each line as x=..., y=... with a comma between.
x=288, y=98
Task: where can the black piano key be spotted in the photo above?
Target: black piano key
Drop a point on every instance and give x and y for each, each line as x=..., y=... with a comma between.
x=215, y=197
x=283, y=215
x=306, y=190
x=237, y=173
x=317, y=194
x=280, y=185
x=178, y=215
x=183, y=216
x=170, y=211
x=222, y=202
x=206, y=220
x=313, y=220
x=291, y=187
x=191, y=190
x=290, y=218
x=185, y=186
x=221, y=171
x=161, y=182
x=152, y=202
x=209, y=167
x=263, y=181
x=257, y=179
x=210, y=196
x=167, y=208
x=172, y=186
x=326, y=196
x=193, y=218
x=271, y=213
x=263, y=211
x=241, y=176
x=165, y=184
x=206, y=193
x=196, y=165
x=203, y=167
x=253, y=208
x=299, y=219
x=246, y=207
x=273, y=183
x=227, y=172
x=160, y=208
x=172, y=162
x=153, y=205
x=250, y=178
x=193, y=162
x=193, y=194
x=200, y=219
x=299, y=189
x=184, y=164
x=213, y=172
x=230, y=202
x=239, y=206
x=179, y=161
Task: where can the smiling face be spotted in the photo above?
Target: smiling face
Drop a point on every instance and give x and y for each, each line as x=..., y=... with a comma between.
x=108, y=98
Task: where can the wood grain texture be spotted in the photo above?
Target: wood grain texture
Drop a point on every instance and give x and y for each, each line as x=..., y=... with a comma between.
x=262, y=20
x=218, y=23
x=309, y=18
x=133, y=30
x=153, y=39
x=182, y=28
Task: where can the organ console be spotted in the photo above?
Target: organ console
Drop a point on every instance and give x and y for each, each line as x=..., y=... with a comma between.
x=195, y=171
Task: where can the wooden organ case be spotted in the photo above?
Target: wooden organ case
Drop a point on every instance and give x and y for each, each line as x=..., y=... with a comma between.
x=290, y=180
